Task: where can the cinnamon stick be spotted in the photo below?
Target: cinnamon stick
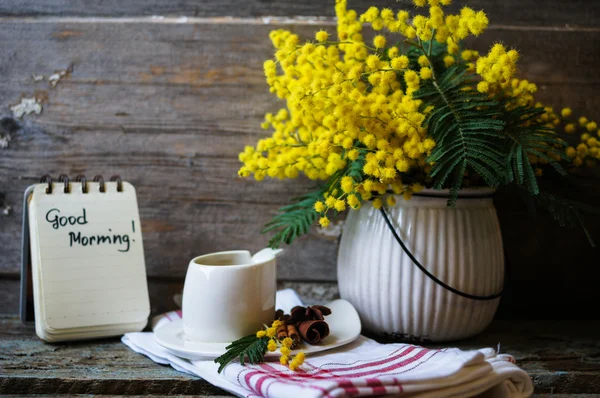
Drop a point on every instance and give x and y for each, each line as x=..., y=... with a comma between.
x=293, y=334
x=313, y=331
x=282, y=331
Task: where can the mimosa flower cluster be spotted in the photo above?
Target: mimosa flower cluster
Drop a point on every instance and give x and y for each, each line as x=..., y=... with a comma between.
x=354, y=116
x=284, y=346
x=588, y=149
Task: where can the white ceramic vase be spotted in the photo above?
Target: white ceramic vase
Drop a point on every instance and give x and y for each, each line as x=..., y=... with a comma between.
x=461, y=246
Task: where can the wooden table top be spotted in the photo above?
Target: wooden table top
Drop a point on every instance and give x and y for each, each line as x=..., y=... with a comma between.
x=562, y=357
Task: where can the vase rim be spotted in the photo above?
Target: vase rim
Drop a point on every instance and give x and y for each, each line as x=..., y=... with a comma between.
x=477, y=192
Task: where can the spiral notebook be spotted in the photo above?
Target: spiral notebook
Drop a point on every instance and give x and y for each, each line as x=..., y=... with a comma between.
x=83, y=242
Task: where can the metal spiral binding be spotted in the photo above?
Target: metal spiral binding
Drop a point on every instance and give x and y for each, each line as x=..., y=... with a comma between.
x=64, y=178
x=81, y=178
x=117, y=178
x=100, y=179
x=47, y=179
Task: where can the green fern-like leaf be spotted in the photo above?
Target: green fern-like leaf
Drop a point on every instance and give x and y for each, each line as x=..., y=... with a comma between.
x=527, y=137
x=467, y=129
x=295, y=220
x=477, y=134
x=250, y=347
x=567, y=213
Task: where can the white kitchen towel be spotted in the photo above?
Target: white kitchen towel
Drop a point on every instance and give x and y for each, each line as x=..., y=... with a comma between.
x=362, y=368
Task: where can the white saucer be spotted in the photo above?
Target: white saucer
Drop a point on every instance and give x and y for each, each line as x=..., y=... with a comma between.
x=344, y=327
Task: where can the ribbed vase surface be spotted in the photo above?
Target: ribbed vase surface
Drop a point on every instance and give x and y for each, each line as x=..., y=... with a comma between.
x=461, y=246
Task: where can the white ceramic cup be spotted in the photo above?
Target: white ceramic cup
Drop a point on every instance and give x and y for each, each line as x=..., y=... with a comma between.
x=229, y=295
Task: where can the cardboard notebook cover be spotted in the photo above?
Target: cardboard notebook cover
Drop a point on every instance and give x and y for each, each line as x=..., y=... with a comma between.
x=83, y=268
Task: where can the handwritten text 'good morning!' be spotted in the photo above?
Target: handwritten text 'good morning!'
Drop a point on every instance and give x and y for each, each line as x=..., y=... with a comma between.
x=122, y=241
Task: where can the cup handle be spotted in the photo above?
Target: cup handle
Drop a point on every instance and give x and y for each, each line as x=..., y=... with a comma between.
x=265, y=255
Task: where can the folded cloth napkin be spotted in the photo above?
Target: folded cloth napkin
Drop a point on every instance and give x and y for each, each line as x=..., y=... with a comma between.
x=361, y=368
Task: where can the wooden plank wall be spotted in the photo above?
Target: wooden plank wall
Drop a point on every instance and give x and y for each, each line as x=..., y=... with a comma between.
x=167, y=93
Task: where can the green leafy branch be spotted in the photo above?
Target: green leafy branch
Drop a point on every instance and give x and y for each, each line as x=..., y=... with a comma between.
x=528, y=137
x=467, y=130
x=475, y=133
x=251, y=347
x=295, y=220
x=565, y=211
x=487, y=138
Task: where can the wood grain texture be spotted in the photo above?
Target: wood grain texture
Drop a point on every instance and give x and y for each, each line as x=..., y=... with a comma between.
x=210, y=55
x=9, y=295
x=165, y=295
x=168, y=103
x=169, y=106
x=513, y=12
x=101, y=367
x=527, y=298
x=182, y=155
x=560, y=358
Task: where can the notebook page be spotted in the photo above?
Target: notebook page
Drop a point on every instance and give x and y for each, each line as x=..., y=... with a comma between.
x=90, y=257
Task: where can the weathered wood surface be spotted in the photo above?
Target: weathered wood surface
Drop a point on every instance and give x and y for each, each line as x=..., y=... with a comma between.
x=28, y=366
x=575, y=301
x=560, y=358
x=508, y=12
x=169, y=103
x=165, y=295
x=169, y=106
